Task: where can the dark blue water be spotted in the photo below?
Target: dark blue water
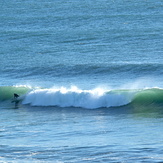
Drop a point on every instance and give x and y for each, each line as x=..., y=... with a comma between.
x=75, y=65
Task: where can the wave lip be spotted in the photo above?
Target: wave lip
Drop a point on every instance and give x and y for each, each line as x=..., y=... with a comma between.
x=75, y=97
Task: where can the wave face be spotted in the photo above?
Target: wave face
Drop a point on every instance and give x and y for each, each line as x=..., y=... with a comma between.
x=149, y=96
x=7, y=92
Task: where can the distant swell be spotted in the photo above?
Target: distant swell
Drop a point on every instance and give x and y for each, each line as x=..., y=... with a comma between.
x=87, y=69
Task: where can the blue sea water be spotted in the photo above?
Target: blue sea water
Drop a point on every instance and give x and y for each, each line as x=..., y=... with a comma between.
x=89, y=77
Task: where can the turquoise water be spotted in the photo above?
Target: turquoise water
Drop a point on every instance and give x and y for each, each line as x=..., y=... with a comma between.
x=89, y=76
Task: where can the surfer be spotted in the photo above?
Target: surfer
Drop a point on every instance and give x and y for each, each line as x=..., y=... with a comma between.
x=16, y=100
x=16, y=96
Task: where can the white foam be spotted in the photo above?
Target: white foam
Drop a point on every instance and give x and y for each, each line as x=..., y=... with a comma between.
x=75, y=97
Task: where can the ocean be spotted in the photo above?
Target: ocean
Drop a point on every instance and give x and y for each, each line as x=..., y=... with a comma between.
x=89, y=79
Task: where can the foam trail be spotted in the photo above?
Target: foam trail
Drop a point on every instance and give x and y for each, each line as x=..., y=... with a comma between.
x=75, y=97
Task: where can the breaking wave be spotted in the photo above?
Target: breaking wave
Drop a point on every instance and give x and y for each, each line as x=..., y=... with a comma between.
x=75, y=97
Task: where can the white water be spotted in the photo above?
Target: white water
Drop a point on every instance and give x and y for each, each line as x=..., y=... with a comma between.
x=75, y=97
